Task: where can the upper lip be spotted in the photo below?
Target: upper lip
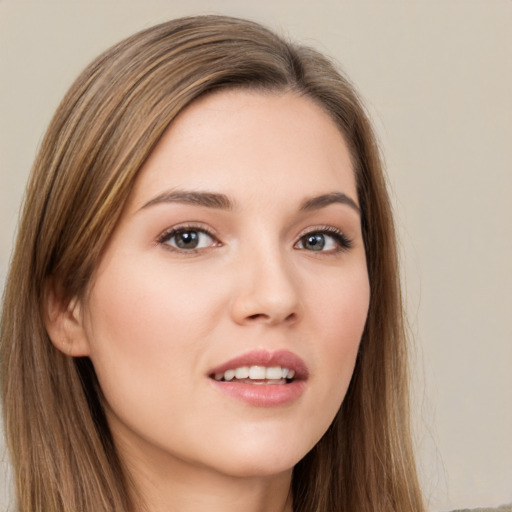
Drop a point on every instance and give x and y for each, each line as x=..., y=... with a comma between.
x=282, y=358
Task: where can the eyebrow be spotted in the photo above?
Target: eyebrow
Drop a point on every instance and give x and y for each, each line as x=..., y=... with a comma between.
x=223, y=202
x=206, y=199
x=318, y=202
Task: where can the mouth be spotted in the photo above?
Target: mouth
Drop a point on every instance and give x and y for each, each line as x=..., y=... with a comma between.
x=256, y=375
x=262, y=366
x=262, y=378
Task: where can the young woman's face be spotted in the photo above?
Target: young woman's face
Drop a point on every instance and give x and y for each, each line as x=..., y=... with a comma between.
x=239, y=256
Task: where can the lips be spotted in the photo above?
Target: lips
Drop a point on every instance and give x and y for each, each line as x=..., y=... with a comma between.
x=262, y=378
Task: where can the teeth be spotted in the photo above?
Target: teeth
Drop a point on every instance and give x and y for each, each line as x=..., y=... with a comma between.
x=242, y=372
x=275, y=372
x=229, y=374
x=256, y=373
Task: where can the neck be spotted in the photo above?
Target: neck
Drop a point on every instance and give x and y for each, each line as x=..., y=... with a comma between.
x=215, y=494
x=167, y=484
x=198, y=489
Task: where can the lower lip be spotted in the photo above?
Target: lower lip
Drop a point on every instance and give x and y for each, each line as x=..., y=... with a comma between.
x=262, y=395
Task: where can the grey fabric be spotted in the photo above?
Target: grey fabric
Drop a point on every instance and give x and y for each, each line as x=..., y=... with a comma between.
x=503, y=508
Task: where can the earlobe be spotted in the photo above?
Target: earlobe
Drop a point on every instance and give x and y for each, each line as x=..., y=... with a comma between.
x=64, y=322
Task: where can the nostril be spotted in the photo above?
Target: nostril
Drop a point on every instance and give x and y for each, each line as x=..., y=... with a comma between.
x=264, y=317
x=257, y=316
x=291, y=317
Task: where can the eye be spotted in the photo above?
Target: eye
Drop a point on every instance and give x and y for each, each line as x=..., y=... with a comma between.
x=324, y=240
x=188, y=239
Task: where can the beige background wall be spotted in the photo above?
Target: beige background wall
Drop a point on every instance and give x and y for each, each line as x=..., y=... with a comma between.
x=437, y=75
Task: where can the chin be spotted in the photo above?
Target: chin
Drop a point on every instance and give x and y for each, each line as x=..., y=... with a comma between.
x=257, y=459
x=259, y=468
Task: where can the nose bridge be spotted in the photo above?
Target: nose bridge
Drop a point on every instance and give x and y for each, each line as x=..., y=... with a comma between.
x=268, y=289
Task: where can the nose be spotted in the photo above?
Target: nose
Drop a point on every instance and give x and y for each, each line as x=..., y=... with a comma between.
x=267, y=291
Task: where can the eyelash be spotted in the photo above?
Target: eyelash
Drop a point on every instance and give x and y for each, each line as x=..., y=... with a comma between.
x=167, y=235
x=343, y=242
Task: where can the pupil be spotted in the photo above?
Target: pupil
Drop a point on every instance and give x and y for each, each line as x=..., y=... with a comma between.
x=187, y=239
x=315, y=242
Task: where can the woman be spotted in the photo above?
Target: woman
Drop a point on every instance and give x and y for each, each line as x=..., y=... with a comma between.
x=203, y=310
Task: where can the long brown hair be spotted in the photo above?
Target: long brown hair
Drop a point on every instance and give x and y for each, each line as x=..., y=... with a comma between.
x=106, y=126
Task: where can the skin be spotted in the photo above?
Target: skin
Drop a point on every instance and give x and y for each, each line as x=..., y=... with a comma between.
x=158, y=318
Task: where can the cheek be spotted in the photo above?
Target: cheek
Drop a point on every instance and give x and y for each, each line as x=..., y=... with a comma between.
x=141, y=306
x=340, y=317
x=145, y=331
x=341, y=305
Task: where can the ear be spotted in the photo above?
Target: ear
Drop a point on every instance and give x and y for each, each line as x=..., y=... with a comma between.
x=64, y=321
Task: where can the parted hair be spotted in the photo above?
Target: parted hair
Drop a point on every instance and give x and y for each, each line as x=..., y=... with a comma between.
x=63, y=455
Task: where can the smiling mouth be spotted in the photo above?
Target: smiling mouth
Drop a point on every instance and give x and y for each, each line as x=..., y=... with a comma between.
x=256, y=375
x=262, y=378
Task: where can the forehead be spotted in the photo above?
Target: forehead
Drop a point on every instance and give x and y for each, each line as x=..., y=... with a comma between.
x=245, y=143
